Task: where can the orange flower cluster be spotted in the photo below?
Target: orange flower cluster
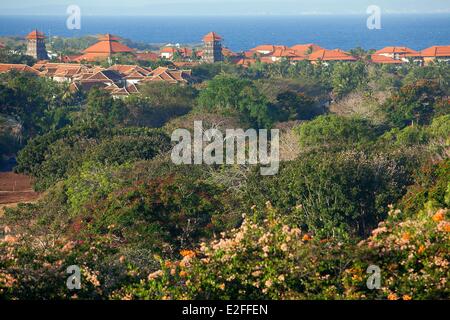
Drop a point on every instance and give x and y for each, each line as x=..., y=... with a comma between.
x=439, y=215
x=187, y=253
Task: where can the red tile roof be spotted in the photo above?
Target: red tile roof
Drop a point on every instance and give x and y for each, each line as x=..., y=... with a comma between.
x=169, y=75
x=168, y=50
x=6, y=67
x=212, y=36
x=331, y=55
x=128, y=70
x=124, y=91
x=269, y=48
x=228, y=53
x=251, y=54
x=107, y=46
x=398, y=50
x=436, y=51
x=286, y=53
x=377, y=58
x=71, y=58
x=64, y=70
x=108, y=37
x=92, y=57
x=107, y=76
x=34, y=35
x=147, y=56
x=304, y=49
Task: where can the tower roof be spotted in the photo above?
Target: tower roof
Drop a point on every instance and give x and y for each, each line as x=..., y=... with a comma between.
x=35, y=34
x=212, y=36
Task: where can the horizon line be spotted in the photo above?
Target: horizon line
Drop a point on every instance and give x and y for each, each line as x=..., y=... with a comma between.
x=230, y=15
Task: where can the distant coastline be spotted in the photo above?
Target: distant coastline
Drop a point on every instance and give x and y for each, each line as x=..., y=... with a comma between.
x=417, y=31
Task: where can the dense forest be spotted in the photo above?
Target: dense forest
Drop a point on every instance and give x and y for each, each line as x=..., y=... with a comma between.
x=364, y=180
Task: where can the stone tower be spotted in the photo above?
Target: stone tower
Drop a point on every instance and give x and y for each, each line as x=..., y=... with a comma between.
x=212, y=51
x=36, y=45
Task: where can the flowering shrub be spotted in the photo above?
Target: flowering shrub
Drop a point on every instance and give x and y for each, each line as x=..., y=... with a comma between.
x=271, y=260
x=36, y=267
x=266, y=260
x=413, y=254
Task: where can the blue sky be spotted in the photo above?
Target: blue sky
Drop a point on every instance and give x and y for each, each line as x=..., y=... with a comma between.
x=220, y=7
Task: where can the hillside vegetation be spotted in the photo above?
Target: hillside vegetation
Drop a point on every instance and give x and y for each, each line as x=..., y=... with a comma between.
x=364, y=181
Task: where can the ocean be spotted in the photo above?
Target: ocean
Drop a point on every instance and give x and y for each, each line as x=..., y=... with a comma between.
x=244, y=32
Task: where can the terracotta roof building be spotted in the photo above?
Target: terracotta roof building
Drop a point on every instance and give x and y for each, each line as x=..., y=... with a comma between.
x=288, y=54
x=436, y=53
x=306, y=49
x=398, y=53
x=7, y=67
x=331, y=55
x=124, y=91
x=170, y=52
x=107, y=46
x=147, y=56
x=132, y=74
x=65, y=72
x=267, y=48
x=36, y=45
x=380, y=59
x=172, y=76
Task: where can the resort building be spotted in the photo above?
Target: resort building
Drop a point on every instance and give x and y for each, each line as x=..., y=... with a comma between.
x=107, y=46
x=147, y=56
x=436, y=53
x=132, y=74
x=267, y=49
x=398, y=53
x=168, y=75
x=36, y=45
x=170, y=53
x=306, y=49
x=118, y=93
x=380, y=59
x=330, y=55
x=212, y=50
x=284, y=54
x=7, y=67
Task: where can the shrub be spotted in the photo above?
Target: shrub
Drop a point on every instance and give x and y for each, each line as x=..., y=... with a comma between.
x=331, y=194
x=335, y=131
